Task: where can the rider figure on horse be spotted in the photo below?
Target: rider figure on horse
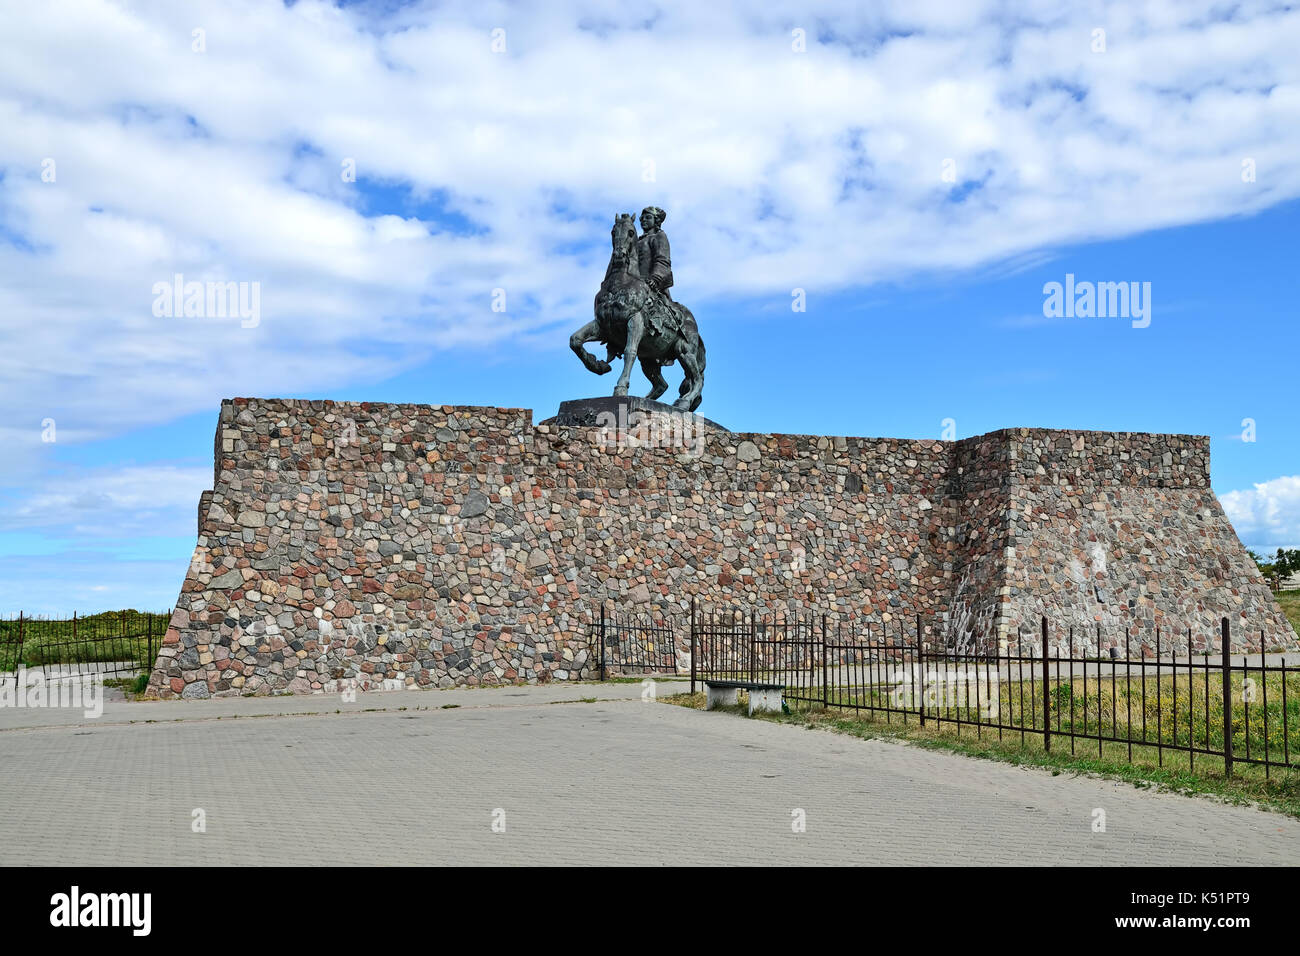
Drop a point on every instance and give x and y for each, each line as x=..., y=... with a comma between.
x=654, y=260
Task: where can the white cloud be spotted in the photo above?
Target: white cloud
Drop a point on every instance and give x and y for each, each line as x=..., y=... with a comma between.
x=779, y=169
x=119, y=503
x=1267, y=516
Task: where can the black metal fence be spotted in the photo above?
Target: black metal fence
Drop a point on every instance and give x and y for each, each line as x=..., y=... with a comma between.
x=116, y=644
x=1229, y=709
x=632, y=643
x=738, y=645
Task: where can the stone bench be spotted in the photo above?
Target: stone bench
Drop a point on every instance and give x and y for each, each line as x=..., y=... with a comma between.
x=726, y=693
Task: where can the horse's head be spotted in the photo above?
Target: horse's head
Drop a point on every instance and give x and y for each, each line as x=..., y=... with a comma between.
x=623, y=236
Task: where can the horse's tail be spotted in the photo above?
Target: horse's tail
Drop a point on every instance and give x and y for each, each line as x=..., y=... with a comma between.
x=700, y=360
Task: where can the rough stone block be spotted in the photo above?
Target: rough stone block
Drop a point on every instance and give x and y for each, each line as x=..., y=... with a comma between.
x=403, y=552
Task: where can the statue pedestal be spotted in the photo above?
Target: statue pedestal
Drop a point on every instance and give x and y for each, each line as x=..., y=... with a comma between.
x=626, y=413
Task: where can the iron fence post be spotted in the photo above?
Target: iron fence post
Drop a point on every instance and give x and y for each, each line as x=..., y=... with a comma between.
x=19, y=662
x=920, y=669
x=1047, y=696
x=753, y=648
x=692, y=645
x=826, y=700
x=602, y=640
x=1227, y=697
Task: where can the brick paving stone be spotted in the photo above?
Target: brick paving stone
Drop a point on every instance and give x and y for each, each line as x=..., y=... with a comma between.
x=613, y=782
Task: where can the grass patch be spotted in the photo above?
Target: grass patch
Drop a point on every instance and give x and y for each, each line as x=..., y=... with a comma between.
x=104, y=637
x=1182, y=710
x=1289, y=602
x=1248, y=784
x=131, y=686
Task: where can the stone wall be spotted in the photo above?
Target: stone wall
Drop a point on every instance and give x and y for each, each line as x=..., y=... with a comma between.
x=412, y=545
x=1121, y=531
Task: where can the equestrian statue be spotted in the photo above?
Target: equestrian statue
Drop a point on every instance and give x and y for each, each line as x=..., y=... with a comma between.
x=638, y=319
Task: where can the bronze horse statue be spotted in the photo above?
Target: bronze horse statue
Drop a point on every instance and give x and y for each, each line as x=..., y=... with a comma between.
x=636, y=322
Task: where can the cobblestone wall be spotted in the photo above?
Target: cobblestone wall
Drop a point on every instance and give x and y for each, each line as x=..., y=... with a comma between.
x=378, y=545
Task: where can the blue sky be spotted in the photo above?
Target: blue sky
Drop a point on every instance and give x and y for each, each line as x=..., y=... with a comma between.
x=818, y=169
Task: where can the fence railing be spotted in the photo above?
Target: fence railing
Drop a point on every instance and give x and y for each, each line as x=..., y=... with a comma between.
x=629, y=642
x=1237, y=709
x=116, y=644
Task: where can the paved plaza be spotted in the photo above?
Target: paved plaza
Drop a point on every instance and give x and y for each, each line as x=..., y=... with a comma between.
x=421, y=778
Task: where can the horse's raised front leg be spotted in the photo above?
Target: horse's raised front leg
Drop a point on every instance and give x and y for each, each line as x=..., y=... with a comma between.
x=588, y=333
x=635, y=327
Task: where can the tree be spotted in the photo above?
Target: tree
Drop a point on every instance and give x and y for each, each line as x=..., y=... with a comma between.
x=1286, y=562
